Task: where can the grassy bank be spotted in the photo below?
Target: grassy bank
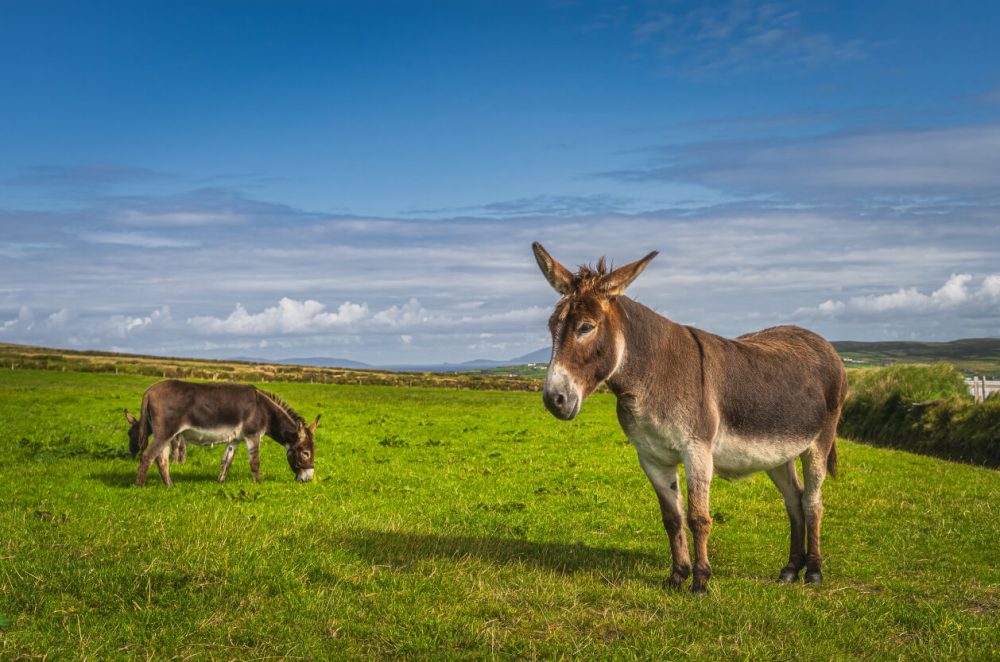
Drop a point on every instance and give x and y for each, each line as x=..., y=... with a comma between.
x=461, y=524
x=922, y=409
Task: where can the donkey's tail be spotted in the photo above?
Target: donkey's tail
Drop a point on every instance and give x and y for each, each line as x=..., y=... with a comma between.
x=145, y=423
x=831, y=459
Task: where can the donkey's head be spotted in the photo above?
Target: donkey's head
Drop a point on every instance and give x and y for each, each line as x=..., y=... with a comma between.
x=133, y=434
x=587, y=339
x=300, y=452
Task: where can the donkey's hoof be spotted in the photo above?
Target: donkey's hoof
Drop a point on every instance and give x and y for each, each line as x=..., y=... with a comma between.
x=675, y=582
x=788, y=576
x=814, y=578
x=699, y=589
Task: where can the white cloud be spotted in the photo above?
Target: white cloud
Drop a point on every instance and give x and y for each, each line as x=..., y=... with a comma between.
x=918, y=162
x=121, y=326
x=183, y=218
x=59, y=318
x=137, y=239
x=991, y=287
x=739, y=36
x=24, y=322
x=289, y=316
x=408, y=314
x=954, y=296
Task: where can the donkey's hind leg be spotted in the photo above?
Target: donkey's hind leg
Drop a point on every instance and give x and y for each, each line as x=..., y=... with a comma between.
x=786, y=479
x=814, y=473
x=227, y=460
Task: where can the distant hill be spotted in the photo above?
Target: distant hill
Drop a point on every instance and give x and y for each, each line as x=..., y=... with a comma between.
x=968, y=348
x=970, y=355
x=538, y=356
x=979, y=356
x=315, y=361
x=324, y=362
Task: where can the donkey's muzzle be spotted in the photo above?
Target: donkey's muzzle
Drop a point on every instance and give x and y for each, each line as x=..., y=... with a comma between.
x=564, y=404
x=560, y=395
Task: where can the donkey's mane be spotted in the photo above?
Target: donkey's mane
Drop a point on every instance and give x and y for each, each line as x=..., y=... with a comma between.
x=282, y=405
x=587, y=276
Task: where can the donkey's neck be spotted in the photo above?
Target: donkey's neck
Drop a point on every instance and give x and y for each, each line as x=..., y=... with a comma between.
x=280, y=424
x=655, y=348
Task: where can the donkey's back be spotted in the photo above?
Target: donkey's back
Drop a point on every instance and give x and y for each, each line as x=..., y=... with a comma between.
x=795, y=371
x=777, y=392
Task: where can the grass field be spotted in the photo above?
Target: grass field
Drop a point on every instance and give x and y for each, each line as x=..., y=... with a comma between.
x=452, y=523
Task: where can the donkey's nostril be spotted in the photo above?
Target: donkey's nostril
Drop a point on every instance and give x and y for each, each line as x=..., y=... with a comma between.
x=560, y=399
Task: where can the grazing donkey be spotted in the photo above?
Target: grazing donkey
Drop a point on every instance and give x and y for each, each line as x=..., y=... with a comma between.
x=212, y=413
x=686, y=396
x=178, y=447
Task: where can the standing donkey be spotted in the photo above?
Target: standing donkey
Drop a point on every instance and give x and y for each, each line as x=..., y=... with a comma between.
x=686, y=396
x=213, y=413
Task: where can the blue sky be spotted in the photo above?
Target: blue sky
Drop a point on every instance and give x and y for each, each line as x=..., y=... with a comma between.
x=365, y=179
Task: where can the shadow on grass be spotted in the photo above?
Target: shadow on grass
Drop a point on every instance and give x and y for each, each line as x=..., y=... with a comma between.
x=398, y=547
x=126, y=478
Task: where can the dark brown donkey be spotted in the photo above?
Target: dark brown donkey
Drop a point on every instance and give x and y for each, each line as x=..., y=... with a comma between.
x=214, y=413
x=685, y=396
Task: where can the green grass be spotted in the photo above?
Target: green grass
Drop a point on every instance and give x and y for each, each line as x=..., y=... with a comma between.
x=452, y=523
x=533, y=370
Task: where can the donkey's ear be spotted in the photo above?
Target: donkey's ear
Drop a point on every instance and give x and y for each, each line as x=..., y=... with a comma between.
x=616, y=281
x=558, y=276
x=312, y=426
x=130, y=418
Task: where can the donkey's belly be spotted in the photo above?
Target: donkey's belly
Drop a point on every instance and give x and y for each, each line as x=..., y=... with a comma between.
x=736, y=457
x=211, y=436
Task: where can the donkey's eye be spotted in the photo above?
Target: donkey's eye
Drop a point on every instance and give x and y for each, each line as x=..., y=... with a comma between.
x=306, y=454
x=584, y=329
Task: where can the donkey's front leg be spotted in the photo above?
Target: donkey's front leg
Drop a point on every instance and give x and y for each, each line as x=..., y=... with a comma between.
x=668, y=493
x=698, y=470
x=178, y=449
x=227, y=459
